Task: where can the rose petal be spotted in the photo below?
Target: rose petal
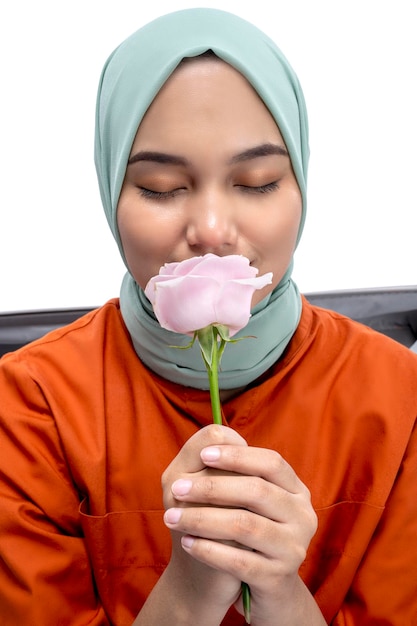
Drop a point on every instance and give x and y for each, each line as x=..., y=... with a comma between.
x=200, y=291
x=186, y=304
x=225, y=268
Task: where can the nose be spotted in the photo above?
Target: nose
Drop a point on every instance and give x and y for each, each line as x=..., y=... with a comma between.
x=211, y=224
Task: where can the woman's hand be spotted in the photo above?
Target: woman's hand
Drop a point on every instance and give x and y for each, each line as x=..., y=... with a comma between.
x=243, y=515
x=215, y=588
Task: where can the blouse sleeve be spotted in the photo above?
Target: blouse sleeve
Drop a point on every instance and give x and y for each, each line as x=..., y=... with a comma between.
x=45, y=574
x=384, y=590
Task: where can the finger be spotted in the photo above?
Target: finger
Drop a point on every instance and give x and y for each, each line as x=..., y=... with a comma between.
x=277, y=540
x=251, y=461
x=262, y=575
x=189, y=459
x=233, y=560
x=231, y=526
x=249, y=565
x=242, y=492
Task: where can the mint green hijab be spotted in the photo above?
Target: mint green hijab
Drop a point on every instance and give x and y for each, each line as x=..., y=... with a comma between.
x=131, y=78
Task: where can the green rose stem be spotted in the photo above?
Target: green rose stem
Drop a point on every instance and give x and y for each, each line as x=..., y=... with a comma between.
x=213, y=340
x=212, y=351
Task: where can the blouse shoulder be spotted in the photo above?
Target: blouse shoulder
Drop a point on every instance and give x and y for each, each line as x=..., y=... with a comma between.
x=330, y=346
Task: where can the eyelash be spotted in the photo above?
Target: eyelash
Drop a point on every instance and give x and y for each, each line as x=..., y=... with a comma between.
x=261, y=189
x=157, y=195
x=163, y=195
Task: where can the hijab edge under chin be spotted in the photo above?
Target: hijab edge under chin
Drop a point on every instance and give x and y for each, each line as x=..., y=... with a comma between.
x=265, y=337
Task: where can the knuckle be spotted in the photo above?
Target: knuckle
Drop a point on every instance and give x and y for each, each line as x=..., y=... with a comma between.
x=310, y=516
x=277, y=462
x=245, y=524
x=197, y=518
x=206, y=548
x=314, y=522
x=236, y=456
x=165, y=479
x=215, y=433
x=300, y=554
x=306, y=493
x=208, y=488
x=192, y=521
x=307, y=524
x=240, y=562
x=259, y=490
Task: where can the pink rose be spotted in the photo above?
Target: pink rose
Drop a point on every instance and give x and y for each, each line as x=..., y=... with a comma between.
x=205, y=290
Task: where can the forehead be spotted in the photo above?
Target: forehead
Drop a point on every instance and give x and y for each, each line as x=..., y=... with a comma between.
x=207, y=93
x=197, y=73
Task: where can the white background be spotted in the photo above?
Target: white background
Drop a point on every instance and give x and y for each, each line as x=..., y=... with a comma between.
x=357, y=62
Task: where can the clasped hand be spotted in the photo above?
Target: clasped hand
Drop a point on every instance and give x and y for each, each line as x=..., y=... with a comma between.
x=237, y=513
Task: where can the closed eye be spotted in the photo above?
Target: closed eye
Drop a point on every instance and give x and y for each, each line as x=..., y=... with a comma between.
x=159, y=195
x=261, y=188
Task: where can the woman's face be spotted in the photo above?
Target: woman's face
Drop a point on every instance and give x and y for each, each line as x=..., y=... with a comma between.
x=208, y=172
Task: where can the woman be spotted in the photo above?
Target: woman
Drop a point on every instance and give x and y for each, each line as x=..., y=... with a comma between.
x=308, y=491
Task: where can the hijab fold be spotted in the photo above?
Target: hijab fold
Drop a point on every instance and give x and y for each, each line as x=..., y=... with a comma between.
x=130, y=80
x=266, y=337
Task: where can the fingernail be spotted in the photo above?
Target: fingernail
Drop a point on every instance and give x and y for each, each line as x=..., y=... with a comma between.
x=172, y=516
x=187, y=541
x=181, y=487
x=210, y=454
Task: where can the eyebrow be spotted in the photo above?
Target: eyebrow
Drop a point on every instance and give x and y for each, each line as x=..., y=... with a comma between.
x=265, y=149
x=157, y=157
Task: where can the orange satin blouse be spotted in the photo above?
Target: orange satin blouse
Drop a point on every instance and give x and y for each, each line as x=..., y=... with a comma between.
x=86, y=431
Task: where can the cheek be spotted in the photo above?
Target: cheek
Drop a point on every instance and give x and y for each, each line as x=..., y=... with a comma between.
x=278, y=239
x=128, y=222
x=281, y=231
x=148, y=236
x=134, y=231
